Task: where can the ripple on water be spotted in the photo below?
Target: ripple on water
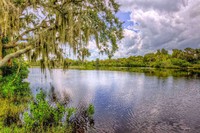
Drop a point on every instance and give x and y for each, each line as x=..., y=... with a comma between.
x=130, y=102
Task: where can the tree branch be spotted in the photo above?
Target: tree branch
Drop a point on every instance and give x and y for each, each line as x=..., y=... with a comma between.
x=13, y=55
x=10, y=46
x=20, y=37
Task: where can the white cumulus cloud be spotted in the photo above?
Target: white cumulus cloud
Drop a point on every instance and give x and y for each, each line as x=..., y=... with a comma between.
x=162, y=24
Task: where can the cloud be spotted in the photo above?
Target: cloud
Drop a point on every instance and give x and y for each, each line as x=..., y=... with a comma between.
x=130, y=44
x=161, y=5
x=161, y=24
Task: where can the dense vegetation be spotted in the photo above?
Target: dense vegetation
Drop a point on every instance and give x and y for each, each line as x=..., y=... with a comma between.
x=20, y=112
x=187, y=58
x=14, y=95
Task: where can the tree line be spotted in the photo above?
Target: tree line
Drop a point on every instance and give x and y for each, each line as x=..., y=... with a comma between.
x=162, y=58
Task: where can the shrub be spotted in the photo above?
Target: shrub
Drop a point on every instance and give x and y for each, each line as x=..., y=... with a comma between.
x=180, y=62
x=43, y=115
x=14, y=93
x=12, y=83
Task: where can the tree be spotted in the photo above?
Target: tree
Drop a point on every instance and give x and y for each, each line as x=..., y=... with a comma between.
x=150, y=57
x=177, y=53
x=82, y=53
x=97, y=63
x=163, y=51
x=190, y=55
x=43, y=28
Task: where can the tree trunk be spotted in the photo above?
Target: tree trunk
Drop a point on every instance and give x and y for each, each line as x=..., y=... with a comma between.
x=1, y=55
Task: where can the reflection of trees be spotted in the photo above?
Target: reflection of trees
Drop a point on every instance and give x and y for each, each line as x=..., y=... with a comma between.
x=82, y=120
x=171, y=72
x=55, y=97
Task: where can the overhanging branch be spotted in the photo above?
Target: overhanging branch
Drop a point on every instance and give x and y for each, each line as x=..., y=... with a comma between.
x=13, y=55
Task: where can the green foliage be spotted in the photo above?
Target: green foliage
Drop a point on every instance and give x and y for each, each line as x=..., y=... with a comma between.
x=188, y=58
x=12, y=83
x=65, y=22
x=180, y=62
x=90, y=110
x=70, y=112
x=5, y=40
x=41, y=116
x=14, y=92
x=82, y=53
x=10, y=111
x=44, y=115
x=97, y=63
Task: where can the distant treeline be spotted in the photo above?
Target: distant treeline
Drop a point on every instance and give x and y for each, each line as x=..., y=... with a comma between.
x=187, y=58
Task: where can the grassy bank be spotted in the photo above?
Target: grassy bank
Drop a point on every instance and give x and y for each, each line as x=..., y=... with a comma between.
x=161, y=72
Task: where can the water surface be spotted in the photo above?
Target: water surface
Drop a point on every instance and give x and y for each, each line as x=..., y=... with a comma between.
x=128, y=102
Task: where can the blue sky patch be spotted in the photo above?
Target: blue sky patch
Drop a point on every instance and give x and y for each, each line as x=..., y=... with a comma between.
x=125, y=17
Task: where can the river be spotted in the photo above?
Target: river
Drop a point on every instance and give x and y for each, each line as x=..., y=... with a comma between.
x=127, y=102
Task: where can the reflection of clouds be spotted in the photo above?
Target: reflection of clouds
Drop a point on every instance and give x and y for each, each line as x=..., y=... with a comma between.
x=130, y=89
x=128, y=101
x=38, y=80
x=73, y=85
x=58, y=83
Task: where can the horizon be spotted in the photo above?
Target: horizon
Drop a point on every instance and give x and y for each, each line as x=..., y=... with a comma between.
x=152, y=25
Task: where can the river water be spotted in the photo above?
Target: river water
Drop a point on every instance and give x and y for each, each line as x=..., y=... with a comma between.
x=127, y=102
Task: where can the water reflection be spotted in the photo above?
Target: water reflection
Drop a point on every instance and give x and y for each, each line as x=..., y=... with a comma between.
x=128, y=102
x=55, y=97
x=82, y=122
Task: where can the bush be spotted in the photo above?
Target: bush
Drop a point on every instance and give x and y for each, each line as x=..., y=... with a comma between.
x=14, y=93
x=43, y=115
x=180, y=62
x=12, y=83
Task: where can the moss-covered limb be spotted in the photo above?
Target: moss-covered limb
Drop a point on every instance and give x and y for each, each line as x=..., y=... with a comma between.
x=14, y=55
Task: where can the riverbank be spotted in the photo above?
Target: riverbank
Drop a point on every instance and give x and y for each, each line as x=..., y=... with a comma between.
x=161, y=72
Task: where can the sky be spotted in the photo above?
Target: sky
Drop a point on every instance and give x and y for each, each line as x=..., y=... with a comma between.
x=155, y=24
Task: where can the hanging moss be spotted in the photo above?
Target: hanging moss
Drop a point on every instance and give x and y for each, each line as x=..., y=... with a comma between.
x=48, y=25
